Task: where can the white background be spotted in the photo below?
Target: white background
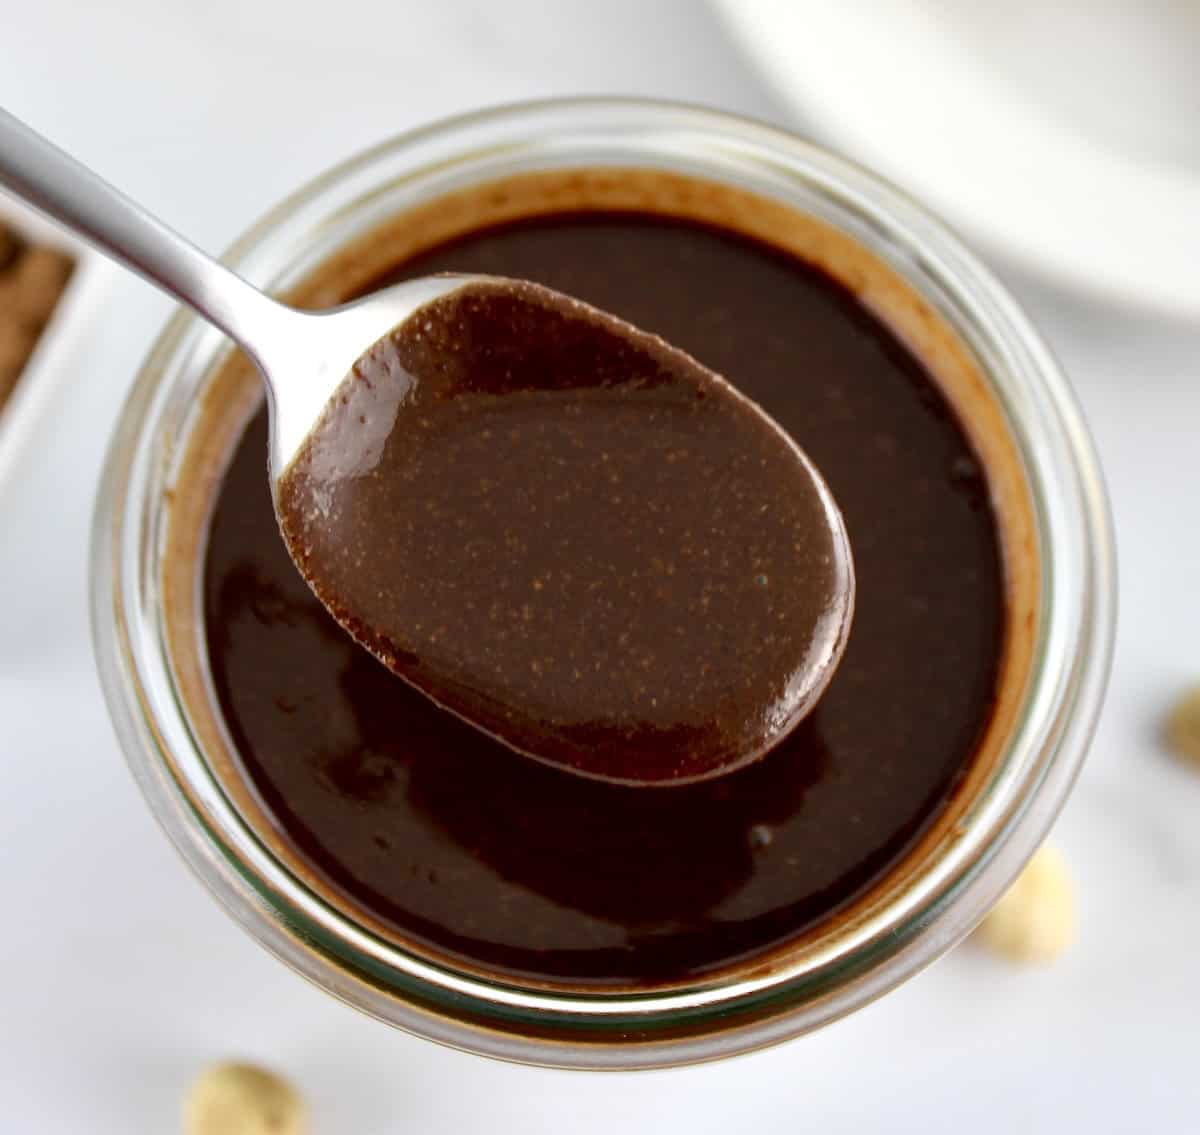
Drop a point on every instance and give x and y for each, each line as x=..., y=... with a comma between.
x=121, y=977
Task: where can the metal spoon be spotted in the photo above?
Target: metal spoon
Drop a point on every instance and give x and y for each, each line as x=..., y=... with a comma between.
x=315, y=365
x=301, y=356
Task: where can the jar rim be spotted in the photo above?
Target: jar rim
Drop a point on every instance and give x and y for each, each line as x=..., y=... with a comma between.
x=501, y=1017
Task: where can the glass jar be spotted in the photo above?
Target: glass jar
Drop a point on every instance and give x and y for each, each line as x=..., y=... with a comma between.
x=907, y=923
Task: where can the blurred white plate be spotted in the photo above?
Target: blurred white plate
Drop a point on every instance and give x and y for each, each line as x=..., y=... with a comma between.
x=55, y=358
x=1066, y=136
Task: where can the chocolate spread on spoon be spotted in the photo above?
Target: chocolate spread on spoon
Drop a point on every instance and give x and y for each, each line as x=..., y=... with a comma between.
x=574, y=536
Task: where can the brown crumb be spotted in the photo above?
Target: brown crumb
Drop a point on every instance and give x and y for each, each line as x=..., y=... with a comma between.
x=16, y=345
x=32, y=279
x=11, y=246
x=40, y=276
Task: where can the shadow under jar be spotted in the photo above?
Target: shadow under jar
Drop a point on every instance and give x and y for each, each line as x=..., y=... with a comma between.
x=437, y=881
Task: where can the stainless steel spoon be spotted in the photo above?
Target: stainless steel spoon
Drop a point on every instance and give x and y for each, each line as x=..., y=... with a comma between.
x=301, y=356
x=306, y=361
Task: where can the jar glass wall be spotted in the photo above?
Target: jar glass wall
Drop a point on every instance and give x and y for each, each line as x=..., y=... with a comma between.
x=904, y=927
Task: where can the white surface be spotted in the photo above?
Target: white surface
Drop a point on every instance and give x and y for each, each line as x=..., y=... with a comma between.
x=1065, y=133
x=121, y=975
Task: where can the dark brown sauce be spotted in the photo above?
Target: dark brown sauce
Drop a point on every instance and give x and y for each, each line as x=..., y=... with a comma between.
x=572, y=535
x=460, y=845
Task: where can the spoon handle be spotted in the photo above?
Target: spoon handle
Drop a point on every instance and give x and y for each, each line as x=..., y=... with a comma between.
x=68, y=192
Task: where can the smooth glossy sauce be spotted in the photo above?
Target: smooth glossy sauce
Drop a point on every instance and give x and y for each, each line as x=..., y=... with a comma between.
x=456, y=844
x=573, y=536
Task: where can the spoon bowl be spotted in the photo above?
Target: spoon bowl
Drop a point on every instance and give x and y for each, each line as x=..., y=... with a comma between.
x=578, y=538
x=552, y=523
x=304, y=357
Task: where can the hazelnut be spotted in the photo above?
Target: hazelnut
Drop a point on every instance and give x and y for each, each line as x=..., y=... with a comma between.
x=242, y=1099
x=1035, y=920
x=1182, y=729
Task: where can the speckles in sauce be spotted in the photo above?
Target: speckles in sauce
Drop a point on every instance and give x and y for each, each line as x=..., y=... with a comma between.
x=547, y=875
x=573, y=536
